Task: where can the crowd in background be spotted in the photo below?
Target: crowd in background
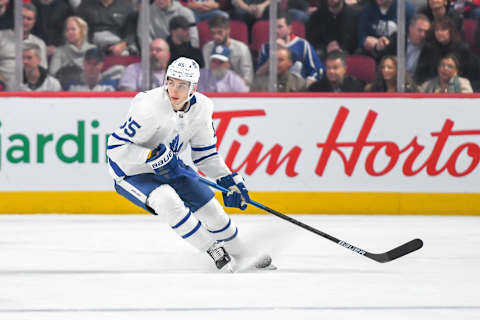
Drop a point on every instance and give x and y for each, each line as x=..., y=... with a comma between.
x=322, y=45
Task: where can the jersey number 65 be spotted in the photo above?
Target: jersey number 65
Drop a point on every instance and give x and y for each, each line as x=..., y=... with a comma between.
x=129, y=127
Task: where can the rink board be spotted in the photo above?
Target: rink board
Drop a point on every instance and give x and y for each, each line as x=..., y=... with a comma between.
x=312, y=153
x=306, y=202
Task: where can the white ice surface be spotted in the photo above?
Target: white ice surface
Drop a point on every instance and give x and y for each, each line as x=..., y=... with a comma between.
x=133, y=267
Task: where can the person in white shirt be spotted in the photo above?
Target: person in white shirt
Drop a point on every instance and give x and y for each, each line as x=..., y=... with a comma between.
x=143, y=156
x=35, y=77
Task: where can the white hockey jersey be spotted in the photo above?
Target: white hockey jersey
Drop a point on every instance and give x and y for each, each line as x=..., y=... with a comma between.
x=151, y=121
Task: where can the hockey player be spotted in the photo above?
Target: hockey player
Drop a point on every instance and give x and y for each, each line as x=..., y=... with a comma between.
x=143, y=160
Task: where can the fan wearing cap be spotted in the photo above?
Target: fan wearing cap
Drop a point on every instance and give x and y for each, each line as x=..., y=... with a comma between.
x=145, y=160
x=92, y=78
x=219, y=77
x=179, y=41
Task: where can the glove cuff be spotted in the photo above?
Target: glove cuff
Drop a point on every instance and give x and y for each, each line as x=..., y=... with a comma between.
x=162, y=159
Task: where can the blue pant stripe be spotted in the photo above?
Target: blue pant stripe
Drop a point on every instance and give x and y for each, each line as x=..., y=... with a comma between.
x=230, y=238
x=183, y=220
x=224, y=228
x=193, y=231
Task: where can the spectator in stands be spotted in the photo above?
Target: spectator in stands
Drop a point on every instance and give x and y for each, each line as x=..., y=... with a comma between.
x=92, y=79
x=417, y=34
x=333, y=27
x=337, y=79
x=286, y=80
x=179, y=41
x=219, y=77
x=161, y=12
x=436, y=9
x=35, y=77
x=6, y=14
x=8, y=48
x=378, y=20
x=306, y=62
x=386, y=78
x=240, y=56
x=29, y=19
x=7, y=56
x=51, y=16
x=444, y=38
x=447, y=79
x=418, y=4
x=300, y=10
x=249, y=11
x=73, y=51
x=469, y=8
x=132, y=79
x=205, y=9
x=112, y=25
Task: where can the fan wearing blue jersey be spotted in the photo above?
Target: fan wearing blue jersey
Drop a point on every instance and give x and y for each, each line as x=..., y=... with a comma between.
x=143, y=156
x=306, y=63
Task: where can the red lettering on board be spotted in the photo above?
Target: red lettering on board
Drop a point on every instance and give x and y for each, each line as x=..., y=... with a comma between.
x=393, y=151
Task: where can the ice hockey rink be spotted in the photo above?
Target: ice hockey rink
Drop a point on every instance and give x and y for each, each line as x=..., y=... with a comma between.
x=133, y=267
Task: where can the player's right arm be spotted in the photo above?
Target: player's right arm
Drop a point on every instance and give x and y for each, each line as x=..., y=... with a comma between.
x=130, y=144
x=140, y=123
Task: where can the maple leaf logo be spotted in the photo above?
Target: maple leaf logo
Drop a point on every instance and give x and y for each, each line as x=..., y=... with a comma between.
x=174, y=144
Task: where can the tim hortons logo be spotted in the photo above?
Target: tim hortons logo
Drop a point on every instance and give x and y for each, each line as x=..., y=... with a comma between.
x=362, y=144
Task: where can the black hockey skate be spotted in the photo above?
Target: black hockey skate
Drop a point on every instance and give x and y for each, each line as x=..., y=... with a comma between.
x=219, y=255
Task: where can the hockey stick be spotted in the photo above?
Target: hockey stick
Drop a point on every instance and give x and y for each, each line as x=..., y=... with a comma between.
x=393, y=254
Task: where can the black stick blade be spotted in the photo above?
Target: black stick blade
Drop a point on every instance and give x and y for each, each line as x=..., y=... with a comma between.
x=397, y=252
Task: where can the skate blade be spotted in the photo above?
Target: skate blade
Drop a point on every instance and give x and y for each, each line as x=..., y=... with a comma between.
x=229, y=267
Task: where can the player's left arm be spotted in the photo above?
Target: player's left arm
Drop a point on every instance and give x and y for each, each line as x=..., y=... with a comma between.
x=207, y=159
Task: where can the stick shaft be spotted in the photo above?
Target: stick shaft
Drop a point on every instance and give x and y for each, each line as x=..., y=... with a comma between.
x=278, y=214
x=393, y=254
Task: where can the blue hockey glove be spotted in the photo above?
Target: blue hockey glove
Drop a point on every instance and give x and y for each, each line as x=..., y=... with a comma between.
x=167, y=165
x=238, y=196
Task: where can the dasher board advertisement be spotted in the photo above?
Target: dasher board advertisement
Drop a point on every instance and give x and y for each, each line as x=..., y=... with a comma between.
x=290, y=144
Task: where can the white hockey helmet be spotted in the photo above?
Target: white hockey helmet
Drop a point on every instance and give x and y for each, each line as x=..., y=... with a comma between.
x=185, y=69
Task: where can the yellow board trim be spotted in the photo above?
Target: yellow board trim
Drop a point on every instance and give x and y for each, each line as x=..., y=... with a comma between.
x=287, y=202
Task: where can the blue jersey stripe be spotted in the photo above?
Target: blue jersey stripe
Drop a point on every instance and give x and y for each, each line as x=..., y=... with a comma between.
x=199, y=224
x=183, y=220
x=203, y=158
x=119, y=172
x=204, y=148
x=224, y=228
x=113, y=146
x=120, y=138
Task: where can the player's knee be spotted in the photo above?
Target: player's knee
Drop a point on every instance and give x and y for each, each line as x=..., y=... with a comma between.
x=165, y=201
x=211, y=208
